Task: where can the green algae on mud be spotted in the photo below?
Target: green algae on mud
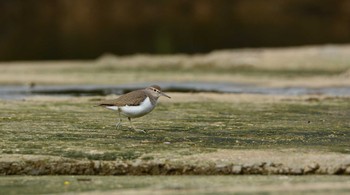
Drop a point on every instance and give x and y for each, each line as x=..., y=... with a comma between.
x=81, y=131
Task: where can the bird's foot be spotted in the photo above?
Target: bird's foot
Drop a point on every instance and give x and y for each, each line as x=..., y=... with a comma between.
x=138, y=130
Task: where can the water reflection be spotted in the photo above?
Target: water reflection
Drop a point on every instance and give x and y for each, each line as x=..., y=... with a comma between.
x=19, y=92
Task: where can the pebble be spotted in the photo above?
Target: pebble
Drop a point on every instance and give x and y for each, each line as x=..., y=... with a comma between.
x=237, y=169
x=311, y=168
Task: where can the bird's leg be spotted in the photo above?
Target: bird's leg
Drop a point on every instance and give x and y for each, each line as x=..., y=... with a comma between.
x=119, y=121
x=133, y=128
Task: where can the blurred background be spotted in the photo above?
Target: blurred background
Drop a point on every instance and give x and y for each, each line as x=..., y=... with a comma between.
x=86, y=29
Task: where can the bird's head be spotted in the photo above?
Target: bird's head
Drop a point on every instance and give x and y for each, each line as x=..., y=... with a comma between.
x=156, y=91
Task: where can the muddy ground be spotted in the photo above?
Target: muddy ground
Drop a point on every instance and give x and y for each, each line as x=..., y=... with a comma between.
x=192, y=133
x=209, y=134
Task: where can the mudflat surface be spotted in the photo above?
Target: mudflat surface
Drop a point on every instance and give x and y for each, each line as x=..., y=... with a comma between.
x=252, y=184
x=191, y=134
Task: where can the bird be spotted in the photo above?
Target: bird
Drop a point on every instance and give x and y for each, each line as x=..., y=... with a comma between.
x=135, y=104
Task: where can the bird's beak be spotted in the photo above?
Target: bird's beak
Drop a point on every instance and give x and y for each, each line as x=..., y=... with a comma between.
x=163, y=94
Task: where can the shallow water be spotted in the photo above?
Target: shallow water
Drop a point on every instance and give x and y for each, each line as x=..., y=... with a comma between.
x=19, y=92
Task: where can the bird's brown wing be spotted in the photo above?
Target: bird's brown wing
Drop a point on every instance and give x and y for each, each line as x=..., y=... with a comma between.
x=131, y=99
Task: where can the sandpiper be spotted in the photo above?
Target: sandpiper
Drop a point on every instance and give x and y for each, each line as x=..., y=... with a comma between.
x=135, y=104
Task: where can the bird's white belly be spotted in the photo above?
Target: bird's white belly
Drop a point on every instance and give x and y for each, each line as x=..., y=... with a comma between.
x=135, y=111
